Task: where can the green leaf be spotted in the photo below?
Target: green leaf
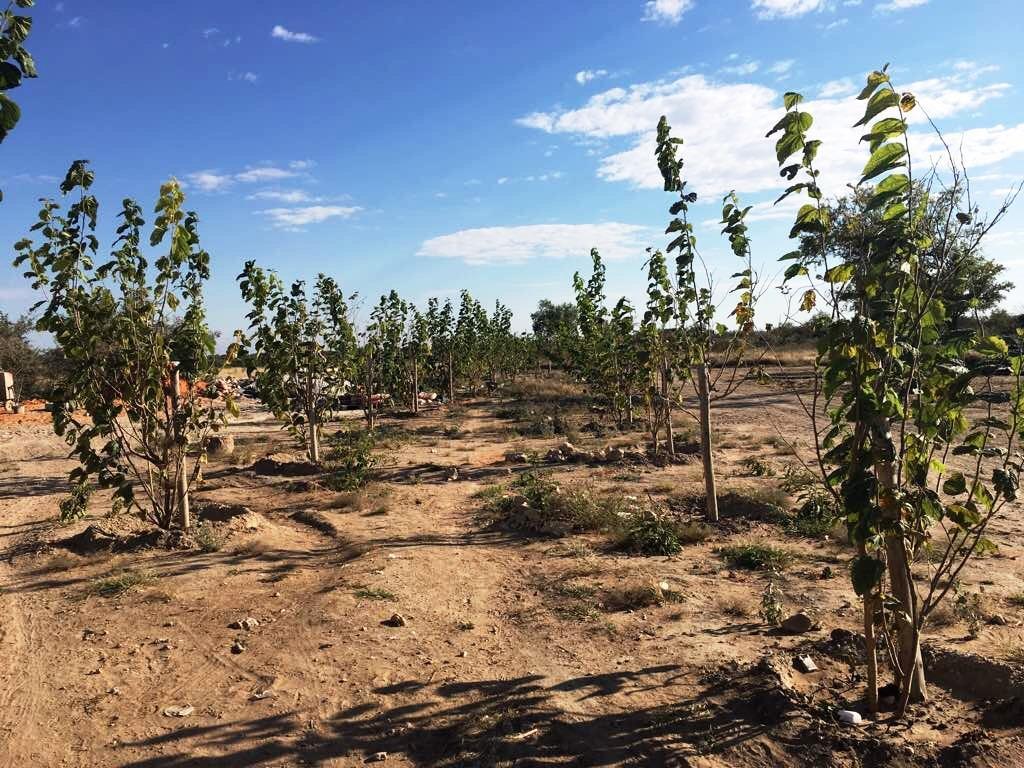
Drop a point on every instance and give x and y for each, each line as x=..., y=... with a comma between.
x=866, y=572
x=10, y=113
x=885, y=158
x=881, y=101
x=956, y=483
x=10, y=76
x=875, y=79
x=839, y=273
x=793, y=270
x=992, y=345
x=895, y=211
x=810, y=219
x=790, y=99
x=888, y=188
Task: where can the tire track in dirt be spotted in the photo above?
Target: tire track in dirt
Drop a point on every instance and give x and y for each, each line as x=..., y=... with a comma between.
x=21, y=675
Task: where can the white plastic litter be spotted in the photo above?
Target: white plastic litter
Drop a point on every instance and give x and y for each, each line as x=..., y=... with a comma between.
x=849, y=717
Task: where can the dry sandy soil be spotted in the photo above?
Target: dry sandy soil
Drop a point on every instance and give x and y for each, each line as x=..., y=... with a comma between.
x=516, y=649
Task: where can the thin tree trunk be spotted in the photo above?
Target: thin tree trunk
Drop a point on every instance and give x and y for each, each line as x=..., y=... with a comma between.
x=870, y=645
x=314, y=434
x=668, y=414
x=912, y=683
x=451, y=379
x=182, y=478
x=704, y=396
x=415, y=386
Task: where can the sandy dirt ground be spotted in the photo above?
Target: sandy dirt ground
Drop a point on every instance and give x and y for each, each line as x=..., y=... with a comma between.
x=512, y=651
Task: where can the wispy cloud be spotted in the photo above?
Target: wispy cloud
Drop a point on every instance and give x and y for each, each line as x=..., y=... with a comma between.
x=833, y=88
x=515, y=245
x=666, y=11
x=293, y=219
x=210, y=180
x=894, y=6
x=247, y=77
x=584, y=76
x=284, y=196
x=746, y=68
x=265, y=173
x=281, y=33
x=782, y=67
x=785, y=9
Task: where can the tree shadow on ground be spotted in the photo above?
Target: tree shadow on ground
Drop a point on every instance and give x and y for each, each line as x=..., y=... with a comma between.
x=519, y=722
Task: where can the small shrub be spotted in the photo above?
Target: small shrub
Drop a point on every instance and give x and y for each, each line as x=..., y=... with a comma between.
x=968, y=608
x=577, y=612
x=757, y=468
x=815, y=517
x=651, y=534
x=782, y=445
x=74, y=505
x=374, y=593
x=756, y=557
x=1016, y=600
x=771, y=604
x=488, y=493
x=350, y=459
x=112, y=586
x=735, y=607
x=207, y=539
x=562, y=511
x=636, y=596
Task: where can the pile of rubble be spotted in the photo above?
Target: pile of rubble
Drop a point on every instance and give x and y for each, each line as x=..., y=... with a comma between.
x=229, y=385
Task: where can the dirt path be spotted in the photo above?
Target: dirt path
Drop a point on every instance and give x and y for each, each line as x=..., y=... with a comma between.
x=507, y=655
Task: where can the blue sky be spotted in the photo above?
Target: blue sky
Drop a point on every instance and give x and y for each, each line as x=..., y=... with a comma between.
x=429, y=146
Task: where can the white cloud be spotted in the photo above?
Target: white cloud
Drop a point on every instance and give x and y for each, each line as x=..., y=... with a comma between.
x=782, y=67
x=294, y=218
x=785, y=9
x=284, y=196
x=836, y=24
x=287, y=35
x=248, y=77
x=265, y=173
x=666, y=11
x=584, y=76
x=842, y=87
x=210, y=32
x=892, y=6
x=740, y=157
x=746, y=68
x=209, y=181
x=503, y=180
x=550, y=176
x=216, y=181
x=515, y=245
x=980, y=146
